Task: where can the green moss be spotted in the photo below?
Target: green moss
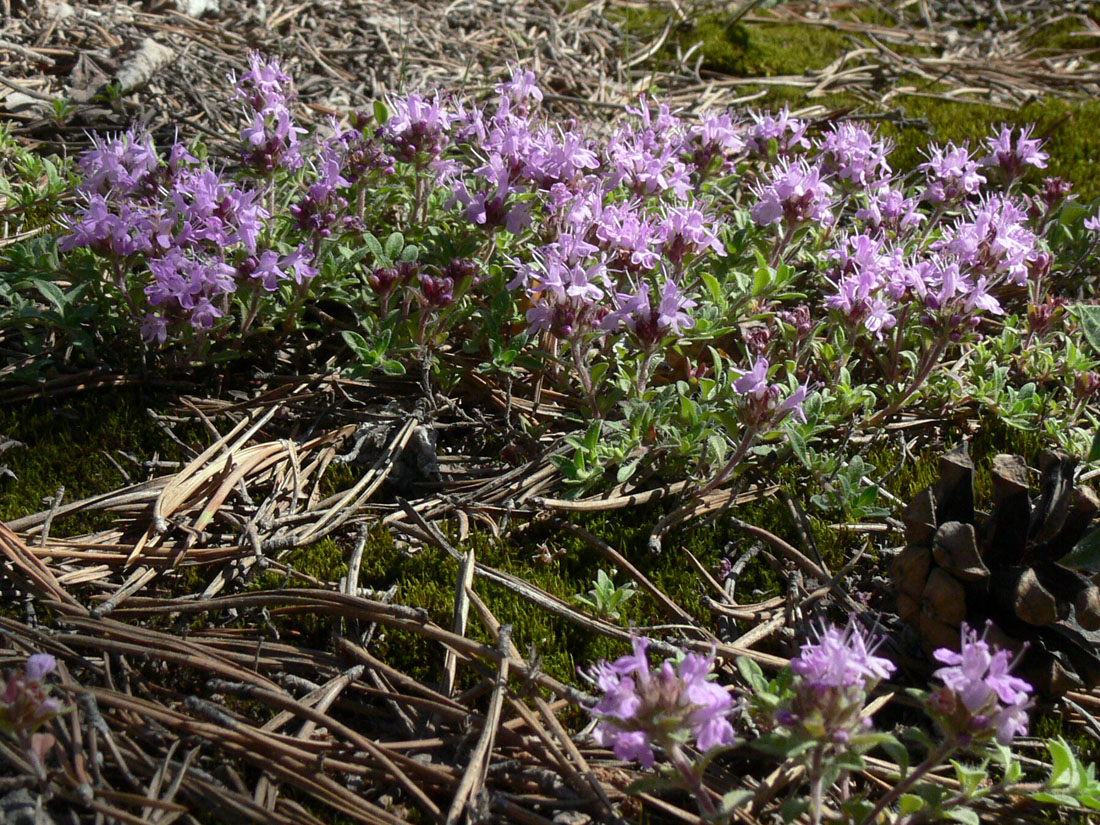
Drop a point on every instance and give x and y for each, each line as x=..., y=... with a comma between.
x=1058, y=37
x=742, y=50
x=1047, y=725
x=65, y=440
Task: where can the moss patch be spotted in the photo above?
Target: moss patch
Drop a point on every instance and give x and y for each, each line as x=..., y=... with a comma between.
x=64, y=442
x=742, y=50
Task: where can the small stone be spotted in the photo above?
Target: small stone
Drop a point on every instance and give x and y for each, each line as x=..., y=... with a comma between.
x=571, y=818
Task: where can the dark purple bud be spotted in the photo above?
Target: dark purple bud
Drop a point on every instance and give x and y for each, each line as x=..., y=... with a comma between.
x=383, y=280
x=1085, y=384
x=459, y=269
x=437, y=291
x=1054, y=190
x=756, y=340
x=1039, y=266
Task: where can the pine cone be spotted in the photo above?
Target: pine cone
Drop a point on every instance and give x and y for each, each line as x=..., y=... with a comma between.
x=962, y=565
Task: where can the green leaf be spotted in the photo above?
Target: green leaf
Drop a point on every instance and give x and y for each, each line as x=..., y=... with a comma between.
x=712, y=286
x=786, y=747
x=793, y=807
x=357, y=343
x=626, y=470
x=751, y=673
x=850, y=761
x=1088, y=316
x=381, y=113
x=410, y=253
x=898, y=752
x=1085, y=555
x=1062, y=763
x=51, y=292
x=963, y=815
x=374, y=245
x=761, y=281
x=735, y=799
x=798, y=447
x=1094, y=450
x=394, y=244
x=1056, y=798
x=392, y=367
x=649, y=784
x=968, y=776
x=909, y=804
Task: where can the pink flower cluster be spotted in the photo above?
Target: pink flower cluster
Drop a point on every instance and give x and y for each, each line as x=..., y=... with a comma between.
x=271, y=136
x=642, y=708
x=980, y=699
x=834, y=675
x=196, y=231
x=25, y=704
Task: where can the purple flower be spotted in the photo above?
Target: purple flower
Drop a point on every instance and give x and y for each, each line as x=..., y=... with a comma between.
x=865, y=271
x=559, y=159
x=788, y=133
x=889, y=208
x=264, y=86
x=952, y=174
x=650, y=325
x=436, y=291
x=564, y=288
x=416, y=126
x=647, y=159
x=754, y=383
x=300, y=262
x=488, y=205
x=631, y=240
x=154, y=329
x=119, y=166
x=642, y=708
x=833, y=676
x=265, y=270
x=204, y=314
x=760, y=403
x=853, y=154
x=793, y=193
x=841, y=659
x=684, y=231
x=1013, y=158
x=992, y=239
x=113, y=229
x=25, y=704
x=271, y=138
x=985, y=698
x=715, y=137
x=1093, y=223
x=522, y=88
x=39, y=666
